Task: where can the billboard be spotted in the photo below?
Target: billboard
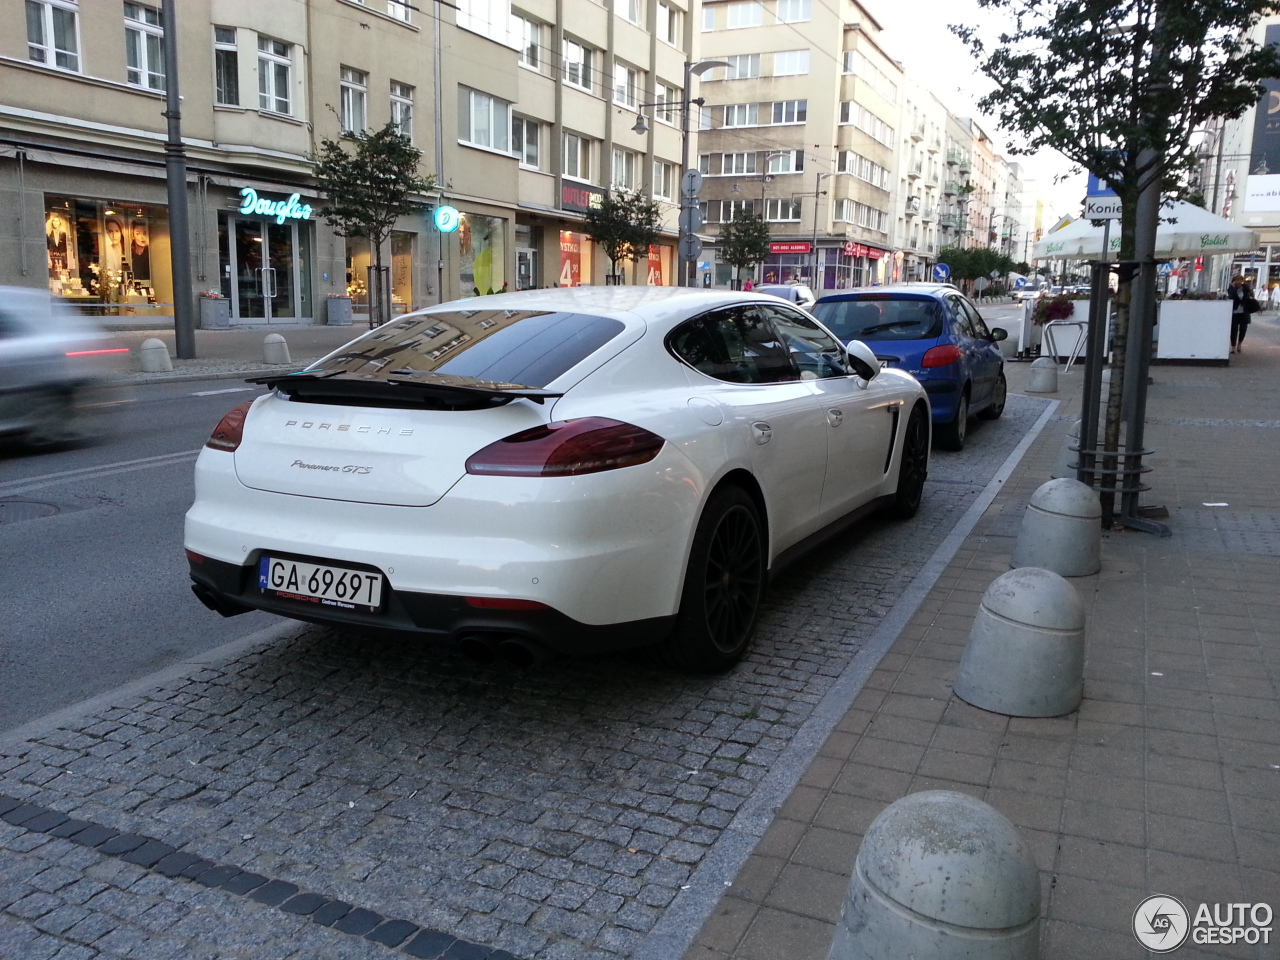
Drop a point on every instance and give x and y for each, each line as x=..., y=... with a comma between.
x=1266, y=122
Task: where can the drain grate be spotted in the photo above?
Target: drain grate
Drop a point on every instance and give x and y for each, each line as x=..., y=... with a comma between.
x=15, y=511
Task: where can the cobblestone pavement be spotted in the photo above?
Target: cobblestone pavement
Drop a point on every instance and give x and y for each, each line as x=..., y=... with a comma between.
x=419, y=802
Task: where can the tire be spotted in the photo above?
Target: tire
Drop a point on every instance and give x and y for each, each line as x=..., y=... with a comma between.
x=951, y=435
x=913, y=467
x=993, y=410
x=723, y=586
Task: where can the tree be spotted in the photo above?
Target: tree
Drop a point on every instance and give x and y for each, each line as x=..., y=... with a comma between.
x=625, y=224
x=970, y=263
x=1118, y=87
x=744, y=241
x=368, y=190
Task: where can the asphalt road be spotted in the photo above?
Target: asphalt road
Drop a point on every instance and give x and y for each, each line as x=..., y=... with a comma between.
x=95, y=586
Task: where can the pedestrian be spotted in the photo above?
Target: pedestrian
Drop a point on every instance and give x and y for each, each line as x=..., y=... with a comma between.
x=1274, y=297
x=1243, y=306
x=748, y=285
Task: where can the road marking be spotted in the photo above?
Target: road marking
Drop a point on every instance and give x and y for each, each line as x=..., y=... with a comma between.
x=210, y=393
x=12, y=487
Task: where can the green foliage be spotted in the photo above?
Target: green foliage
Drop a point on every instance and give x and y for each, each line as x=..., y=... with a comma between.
x=744, y=240
x=625, y=224
x=974, y=262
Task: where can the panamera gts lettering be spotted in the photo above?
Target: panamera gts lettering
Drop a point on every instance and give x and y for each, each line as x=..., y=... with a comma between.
x=345, y=468
x=345, y=427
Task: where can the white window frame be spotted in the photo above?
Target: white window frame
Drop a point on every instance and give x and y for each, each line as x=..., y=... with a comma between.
x=627, y=83
x=220, y=48
x=791, y=63
x=743, y=114
x=575, y=154
x=577, y=69
x=402, y=107
x=782, y=210
x=790, y=108
x=273, y=90
x=527, y=149
x=494, y=133
x=794, y=11
x=630, y=10
x=45, y=51
x=790, y=162
x=743, y=14
x=399, y=10
x=708, y=19
x=626, y=169
x=664, y=180
x=668, y=98
x=669, y=25
x=353, y=100
x=738, y=164
x=144, y=40
x=529, y=31
x=742, y=66
x=842, y=211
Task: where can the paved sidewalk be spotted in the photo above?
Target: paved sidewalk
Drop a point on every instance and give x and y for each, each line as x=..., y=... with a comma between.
x=1168, y=777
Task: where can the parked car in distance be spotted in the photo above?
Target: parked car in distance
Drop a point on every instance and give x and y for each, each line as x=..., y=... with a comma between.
x=575, y=470
x=937, y=335
x=797, y=293
x=53, y=363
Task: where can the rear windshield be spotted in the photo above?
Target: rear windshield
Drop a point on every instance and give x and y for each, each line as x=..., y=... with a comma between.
x=876, y=319
x=530, y=348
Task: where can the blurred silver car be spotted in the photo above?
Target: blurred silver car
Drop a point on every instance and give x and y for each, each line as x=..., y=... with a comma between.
x=797, y=293
x=52, y=364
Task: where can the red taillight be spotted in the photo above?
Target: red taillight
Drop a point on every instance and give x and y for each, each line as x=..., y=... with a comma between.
x=230, y=429
x=503, y=603
x=567, y=448
x=941, y=356
x=194, y=557
x=97, y=353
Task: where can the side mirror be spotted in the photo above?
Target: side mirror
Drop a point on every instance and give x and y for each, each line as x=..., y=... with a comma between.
x=863, y=360
x=998, y=334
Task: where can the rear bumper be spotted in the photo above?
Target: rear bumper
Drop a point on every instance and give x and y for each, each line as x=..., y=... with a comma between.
x=233, y=588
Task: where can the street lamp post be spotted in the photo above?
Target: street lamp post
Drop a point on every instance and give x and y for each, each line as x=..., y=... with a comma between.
x=817, y=192
x=687, y=203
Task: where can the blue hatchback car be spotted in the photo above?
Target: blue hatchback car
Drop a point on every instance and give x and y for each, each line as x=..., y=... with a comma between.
x=935, y=334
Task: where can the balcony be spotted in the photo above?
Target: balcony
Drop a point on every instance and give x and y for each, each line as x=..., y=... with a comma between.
x=951, y=188
x=949, y=220
x=913, y=206
x=935, y=146
x=914, y=172
x=965, y=166
x=917, y=132
x=929, y=213
x=954, y=157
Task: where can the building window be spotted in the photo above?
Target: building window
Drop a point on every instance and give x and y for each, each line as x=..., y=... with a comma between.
x=704, y=164
x=849, y=162
x=742, y=115
x=483, y=121
x=795, y=11
x=577, y=157
x=855, y=113
x=742, y=66
x=786, y=210
x=577, y=65
x=631, y=9
x=664, y=180
x=790, y=111
x=670, y=24
x=708, y=19
x=790, y=63
x=524, y=140
x=398, y=10
x=354, y=100
x=875, y=78
x=843, y=211
x=144, y=46
x=51, y=34
x=530, y=34
x=274, y=68
x=745, y=13
x=667, y=98
x=625, y=169
x=739, y=163
x=625, y=82
x=402, y=108
x=790, y=162
x=226, y=67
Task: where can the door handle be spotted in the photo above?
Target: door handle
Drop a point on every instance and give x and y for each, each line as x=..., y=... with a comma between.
x=835, y=416
x=271, y=272
x=762, y=432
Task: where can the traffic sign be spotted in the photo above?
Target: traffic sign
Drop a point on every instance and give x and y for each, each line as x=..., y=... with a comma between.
x=1098, y=188
x=690, y=184
x=994, y=274
x=941, y=272
x=690, y=220
x=690, y=246
x=981, y=284
x=1164, y=269
x=1020, y=282
x=1102, y=208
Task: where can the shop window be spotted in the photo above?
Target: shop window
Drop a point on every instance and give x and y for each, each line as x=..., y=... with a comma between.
x=401, y=271
x=402, y=108
x=353, y=100
x=524, y=140
x=274, y=68
x=359, y=259
x=576, y=252
x=483, y=121
x=144, y=46
x=52, y=33
x=226, y=67
x=482, y=252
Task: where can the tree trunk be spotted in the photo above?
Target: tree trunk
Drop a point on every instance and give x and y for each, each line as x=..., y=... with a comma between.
x=1120, y=340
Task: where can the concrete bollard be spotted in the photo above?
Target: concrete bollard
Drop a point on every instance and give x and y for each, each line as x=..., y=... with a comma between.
x=1061, y=530
x=1044, y=376
x=154, y=356
x=274, y=349
x=1025, y=656
x=941, y=875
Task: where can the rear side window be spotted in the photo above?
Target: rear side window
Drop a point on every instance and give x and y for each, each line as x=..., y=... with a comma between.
x=882, y=318
x=737, y=345
x=531, y=348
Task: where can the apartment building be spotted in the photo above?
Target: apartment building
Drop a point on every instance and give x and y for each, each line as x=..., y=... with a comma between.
x=922, y=176
x=802, y=127
x=536, y=108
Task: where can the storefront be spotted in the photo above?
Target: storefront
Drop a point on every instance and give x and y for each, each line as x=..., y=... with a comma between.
x=482, y=255
x=264, y=258
x=577, y=252
x=108, y=258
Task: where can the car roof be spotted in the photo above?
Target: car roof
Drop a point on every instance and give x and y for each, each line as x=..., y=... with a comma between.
x=918, y=289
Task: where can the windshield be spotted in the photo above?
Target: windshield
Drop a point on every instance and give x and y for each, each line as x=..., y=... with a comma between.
x=882, y=319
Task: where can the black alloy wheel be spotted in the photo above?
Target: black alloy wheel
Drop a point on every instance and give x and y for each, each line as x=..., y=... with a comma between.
x=723, y=586
x=993, y=410
x=913, y=466
x=951, y=435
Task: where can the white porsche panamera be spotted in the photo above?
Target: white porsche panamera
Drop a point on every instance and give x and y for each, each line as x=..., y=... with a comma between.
x=562, y=471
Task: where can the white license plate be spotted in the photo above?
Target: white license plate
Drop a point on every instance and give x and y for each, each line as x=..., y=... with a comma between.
x=322, y=585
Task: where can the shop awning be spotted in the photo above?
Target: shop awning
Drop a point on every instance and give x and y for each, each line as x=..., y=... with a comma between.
x=1185, y=231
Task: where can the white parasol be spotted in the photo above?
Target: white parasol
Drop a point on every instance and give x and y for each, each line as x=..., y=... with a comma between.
x=1185, y=231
